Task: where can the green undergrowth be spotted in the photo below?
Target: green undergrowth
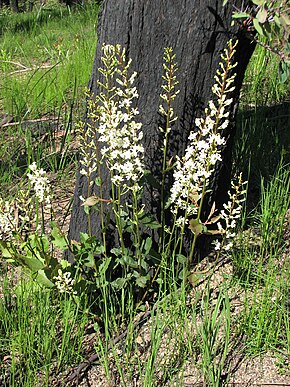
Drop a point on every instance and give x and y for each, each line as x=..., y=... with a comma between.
x=56, y=55
x=192, y=327
x=46, y=60
x=41, y=332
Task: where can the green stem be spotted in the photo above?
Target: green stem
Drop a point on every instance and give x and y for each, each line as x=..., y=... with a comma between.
x=137, y=236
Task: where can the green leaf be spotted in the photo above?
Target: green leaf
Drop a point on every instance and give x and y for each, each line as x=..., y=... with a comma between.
x=129, y=261
x=262, y=15
x=87, y=210
x=181, y=259
x=240, y=15
x=147, y=246
x=196, y=226
x=284, y=71
x=119, y=283
x=98, y=181
x=64, y=263
x=84, y=237
x=142, y=281
x=89, y=260
x=5, y=249
x=58, y=239
x=104, y=264
x=149, y=221
x=42, y=279
x=33, y=263
x=258, y=27
x=259, y=2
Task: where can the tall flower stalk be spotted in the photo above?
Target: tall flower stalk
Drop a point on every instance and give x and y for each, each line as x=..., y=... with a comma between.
x=120, y=134
x=166, y=110
x=194, y=170
x=119, y=139
x=230, y=214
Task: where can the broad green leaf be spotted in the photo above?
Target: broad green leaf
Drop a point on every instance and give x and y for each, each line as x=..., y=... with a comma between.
x=5, y=249
x=196, y=226
x=262, y=15
x=129, y=261
x=42, y=279
x=89, y=260
x=84, y=237
x=142, y=281
x=64, y=263
x=258, y=27
x=284, y=71
x=33, y=263
x=58, y=239
x=39, y=244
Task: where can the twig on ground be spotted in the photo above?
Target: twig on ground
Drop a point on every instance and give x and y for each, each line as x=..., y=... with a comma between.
x=32, y=68
x=44, y=119
x=14, y=63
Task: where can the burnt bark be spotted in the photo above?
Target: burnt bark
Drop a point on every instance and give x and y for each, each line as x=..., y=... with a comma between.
x=198, y=31
x=14, y=5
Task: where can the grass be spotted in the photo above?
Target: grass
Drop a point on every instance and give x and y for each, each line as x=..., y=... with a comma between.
x=42, y=332
x=45, y=63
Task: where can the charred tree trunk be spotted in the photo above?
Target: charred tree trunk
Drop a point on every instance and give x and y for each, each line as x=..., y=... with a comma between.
x=198, y=31
x=14, y=5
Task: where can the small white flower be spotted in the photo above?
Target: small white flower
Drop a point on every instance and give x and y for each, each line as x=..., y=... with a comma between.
x=120, y=134
x=6, y=219
x=64, y=282
x=194, y=169
x=217, y=245
x=40, y=184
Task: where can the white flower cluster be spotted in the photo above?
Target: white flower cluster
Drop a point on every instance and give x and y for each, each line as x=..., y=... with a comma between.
x=40, y=184
x=231, y=214
x=194, y=169
x=118, y=130
x=6, y=219
x=64, y=282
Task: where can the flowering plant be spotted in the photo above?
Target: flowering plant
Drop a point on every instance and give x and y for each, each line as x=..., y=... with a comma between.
x=112, y=140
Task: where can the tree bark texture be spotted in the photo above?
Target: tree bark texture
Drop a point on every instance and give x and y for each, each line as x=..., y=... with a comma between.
x=198, y=31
